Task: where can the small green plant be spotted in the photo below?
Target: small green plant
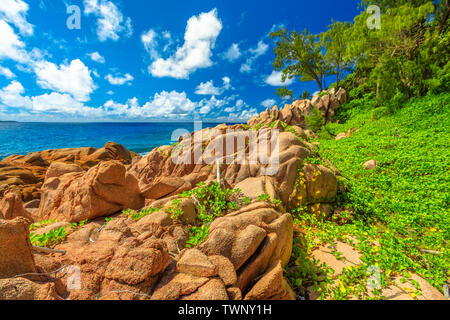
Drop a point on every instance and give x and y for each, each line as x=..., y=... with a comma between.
x=315, y=120
x=174, y=210
x=137, y=215
x=380, y=112
x=108, y=219
x=49, y=239
x=277, y=202
x=212, y=201
x=197, y=235
x=42, y=223
x=264, y=197
x=75, y=225
x=306, y=95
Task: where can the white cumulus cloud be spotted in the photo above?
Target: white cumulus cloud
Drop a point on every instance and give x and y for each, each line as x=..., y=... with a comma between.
x=199, y=38
x=152, y=41
x=253, y=54
x=7, y=72
x=208, y=88
x=11, y=95
x=268, y=103
x=149, y=39
x=14, y=11
x=233, y=53
x=163, y=105
x=74, y=78
x=274, y=79
x=110, y=21
x=11, y=47
x=95, y=56
x=119, y=80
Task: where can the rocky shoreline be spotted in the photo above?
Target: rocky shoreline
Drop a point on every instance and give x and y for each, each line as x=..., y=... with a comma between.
x=242, y=257
x=172, y=242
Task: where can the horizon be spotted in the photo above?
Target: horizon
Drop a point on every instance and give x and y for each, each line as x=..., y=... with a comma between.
x=64, y=62
x=118, y=121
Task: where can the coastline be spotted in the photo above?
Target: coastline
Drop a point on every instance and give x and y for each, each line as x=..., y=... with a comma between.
x=22, y=138
x=228, y=227
x=60, y=181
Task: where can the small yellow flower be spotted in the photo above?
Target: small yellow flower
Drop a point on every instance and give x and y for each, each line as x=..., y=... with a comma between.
x=341, y=287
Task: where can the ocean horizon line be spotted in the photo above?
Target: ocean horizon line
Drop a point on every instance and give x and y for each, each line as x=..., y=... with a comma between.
x=122, y=122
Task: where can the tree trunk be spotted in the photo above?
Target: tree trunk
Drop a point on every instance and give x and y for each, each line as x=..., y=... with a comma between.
x=319, y=83
x=338, y=77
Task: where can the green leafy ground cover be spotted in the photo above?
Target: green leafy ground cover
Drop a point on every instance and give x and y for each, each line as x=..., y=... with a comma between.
x=53, y=237
x=399, y=212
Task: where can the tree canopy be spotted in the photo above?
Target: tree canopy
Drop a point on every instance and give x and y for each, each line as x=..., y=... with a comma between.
x=408, y=55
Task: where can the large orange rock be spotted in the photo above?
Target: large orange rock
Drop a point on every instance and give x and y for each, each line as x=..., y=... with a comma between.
x=168, y=171
x=24, y=289
x=252, y=239
x=57, y=169
x=317, y=184
x=134, y=265
x=116, y=258
x=103, y=190
x=111, y=151
x=15, y=248
x=15, y=175
x=11, y=206
x=29, y=171
x=195, y=262
x=272, y=286
x=294, y=114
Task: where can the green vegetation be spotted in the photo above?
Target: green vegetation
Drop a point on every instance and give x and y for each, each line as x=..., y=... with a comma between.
x=75, y=225
x=299, y=54
x=397, y=215
x=397, y=75
x=212, y=201
x=315, y=120
x=264, y=197
x=49, y=239
x=108, y=219
x=41, y=224
x=406, y=56
x=53, y=237
x=306, y=95
x=137, y=215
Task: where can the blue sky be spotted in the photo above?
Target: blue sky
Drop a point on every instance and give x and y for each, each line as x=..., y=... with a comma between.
x=141, y=60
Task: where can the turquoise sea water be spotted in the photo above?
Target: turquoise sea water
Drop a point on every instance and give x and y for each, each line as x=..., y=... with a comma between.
x=23, y=137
